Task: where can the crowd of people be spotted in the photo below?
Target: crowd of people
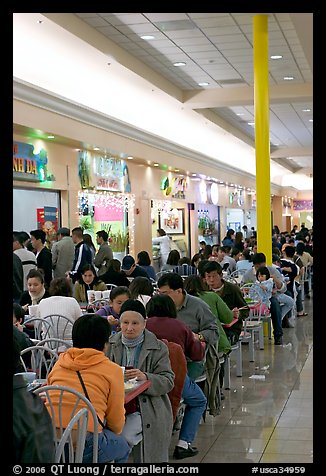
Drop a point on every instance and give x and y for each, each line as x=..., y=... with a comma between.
x=148, y=317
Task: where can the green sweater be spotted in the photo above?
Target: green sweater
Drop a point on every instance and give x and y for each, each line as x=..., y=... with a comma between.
x=223, y=314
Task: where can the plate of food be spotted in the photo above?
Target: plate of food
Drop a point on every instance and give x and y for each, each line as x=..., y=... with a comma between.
x=130, y=384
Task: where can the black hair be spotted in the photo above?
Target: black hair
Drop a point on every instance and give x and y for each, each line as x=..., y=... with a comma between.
x=102, y=234
x=212, y=266
x=161, y=305
x=194, y=285
x=19, y=312
x=143, y=258
x=118, y=291
x=39, y=235
x=173, y=280
x=90, y=331
x=36, y=273
x=264, y=271
x=140, y=285
x=258, y=258
x=173, y=258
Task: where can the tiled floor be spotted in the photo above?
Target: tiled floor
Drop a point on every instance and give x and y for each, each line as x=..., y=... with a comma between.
x=266, y=421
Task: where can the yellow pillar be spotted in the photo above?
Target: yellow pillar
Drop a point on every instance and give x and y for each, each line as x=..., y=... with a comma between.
x=261, y=104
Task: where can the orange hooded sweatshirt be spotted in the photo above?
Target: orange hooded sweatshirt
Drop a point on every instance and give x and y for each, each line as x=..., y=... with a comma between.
x=103, y=380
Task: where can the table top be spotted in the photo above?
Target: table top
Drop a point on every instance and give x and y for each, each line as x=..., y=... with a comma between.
x=139, y=387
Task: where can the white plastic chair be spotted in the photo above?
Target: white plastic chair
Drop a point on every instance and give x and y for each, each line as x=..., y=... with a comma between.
x=236, y=350
x=60, y=326
x=58, y=345
x=55, y=396
x=253, y=323
x=72, y=442
x=42, y=360
x=110, y=286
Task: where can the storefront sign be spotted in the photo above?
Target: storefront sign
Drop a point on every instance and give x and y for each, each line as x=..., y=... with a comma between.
x=303, y=205
x=30, y=166
x=103, y=173
x=213, y=194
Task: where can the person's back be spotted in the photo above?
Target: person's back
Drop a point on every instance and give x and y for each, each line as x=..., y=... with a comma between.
x=103, y=381
x=63, y=253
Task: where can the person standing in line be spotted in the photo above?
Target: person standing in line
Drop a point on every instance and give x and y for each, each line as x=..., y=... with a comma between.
x=27, y=257
x=63, y=252
x=89, y=242
x=83, y=254
x=163, y=240
x=18, y=276
x=105, y=254
x=43, y=254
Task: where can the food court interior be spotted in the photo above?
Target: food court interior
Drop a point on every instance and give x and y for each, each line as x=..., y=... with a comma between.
x=139, y=121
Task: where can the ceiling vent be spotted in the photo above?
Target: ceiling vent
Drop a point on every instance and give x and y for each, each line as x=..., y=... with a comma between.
x=175, y=25
x=231, y=81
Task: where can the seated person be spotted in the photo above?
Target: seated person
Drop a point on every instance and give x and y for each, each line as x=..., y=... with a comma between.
x=32, y=426
x=162, y=321
x=136, y=347
x=114, y=275
x=104, y=383
x=60, y=302
x=88, y=280
x=35, y=290
x=141, y=288
x=118, y=296
x=263, y=287
x=131, y=269
x=144, y=261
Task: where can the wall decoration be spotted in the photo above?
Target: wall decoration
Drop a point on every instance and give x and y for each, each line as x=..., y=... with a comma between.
x=179, y=186
x=303, y=205
x=172, y=222
x=30, y=166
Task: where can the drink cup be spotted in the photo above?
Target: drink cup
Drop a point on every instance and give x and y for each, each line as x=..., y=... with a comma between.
x=106, y=294
x=90, y=295
x=33, y=311
x=98, y=295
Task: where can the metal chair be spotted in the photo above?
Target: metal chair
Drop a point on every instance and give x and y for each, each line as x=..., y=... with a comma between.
x=60, y=326
x=236, y=350
x=42, y=360
x=253, y=323
x=56, y=396
x=58, y=345
x=72, y=442
x=41, y=328
x=110, y=286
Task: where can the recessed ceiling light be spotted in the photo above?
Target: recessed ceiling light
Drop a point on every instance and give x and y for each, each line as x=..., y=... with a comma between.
x=96, y=148
x=179, y=63
x=147, y=37
x=311, y=120
x=240, y=113
x=250, y=123
x=306, y=110
x=276, y=57
x=177, y=170
x=194, y=175
x=288, y=78
x=129, y=157
x=50, y=137
x=204, y=83
x=156, y=165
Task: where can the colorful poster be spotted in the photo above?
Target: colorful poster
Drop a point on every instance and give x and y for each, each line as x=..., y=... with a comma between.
x=47, y=220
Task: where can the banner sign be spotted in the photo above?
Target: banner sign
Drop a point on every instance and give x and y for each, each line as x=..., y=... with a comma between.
x=303, y=205
x=30, y=166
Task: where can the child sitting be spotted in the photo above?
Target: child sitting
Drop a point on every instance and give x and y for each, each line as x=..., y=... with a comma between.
x=263, y=287
x=118, y=296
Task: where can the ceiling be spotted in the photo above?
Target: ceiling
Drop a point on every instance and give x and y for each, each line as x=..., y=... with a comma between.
x=217, y=48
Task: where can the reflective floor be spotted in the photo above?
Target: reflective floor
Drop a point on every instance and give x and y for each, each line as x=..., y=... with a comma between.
x=266, y=421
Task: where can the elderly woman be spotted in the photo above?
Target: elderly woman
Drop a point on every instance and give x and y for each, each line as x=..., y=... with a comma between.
x=138, y=348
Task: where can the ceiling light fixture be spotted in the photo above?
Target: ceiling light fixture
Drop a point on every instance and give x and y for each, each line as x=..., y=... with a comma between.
x=250, y=123
x=130, y=157
x=204, y=83
x=147, y=37
x=50, y=137
x=311, y=120
x=240, y=113
x=288, y=78
x=156, y=165
x=276, y=57
x=96, y=148
x=306, y=110
x=179, y=63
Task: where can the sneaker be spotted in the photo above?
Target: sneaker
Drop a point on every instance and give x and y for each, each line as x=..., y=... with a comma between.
x=278, y=340
x=181, y=453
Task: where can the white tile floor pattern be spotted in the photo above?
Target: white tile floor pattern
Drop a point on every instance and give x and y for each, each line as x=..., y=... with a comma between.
x=265, y=421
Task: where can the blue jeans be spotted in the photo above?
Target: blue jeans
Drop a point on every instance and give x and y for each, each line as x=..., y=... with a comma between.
x=287, y=303
x=195, y=401
x=111, y=447
x=276, y=316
